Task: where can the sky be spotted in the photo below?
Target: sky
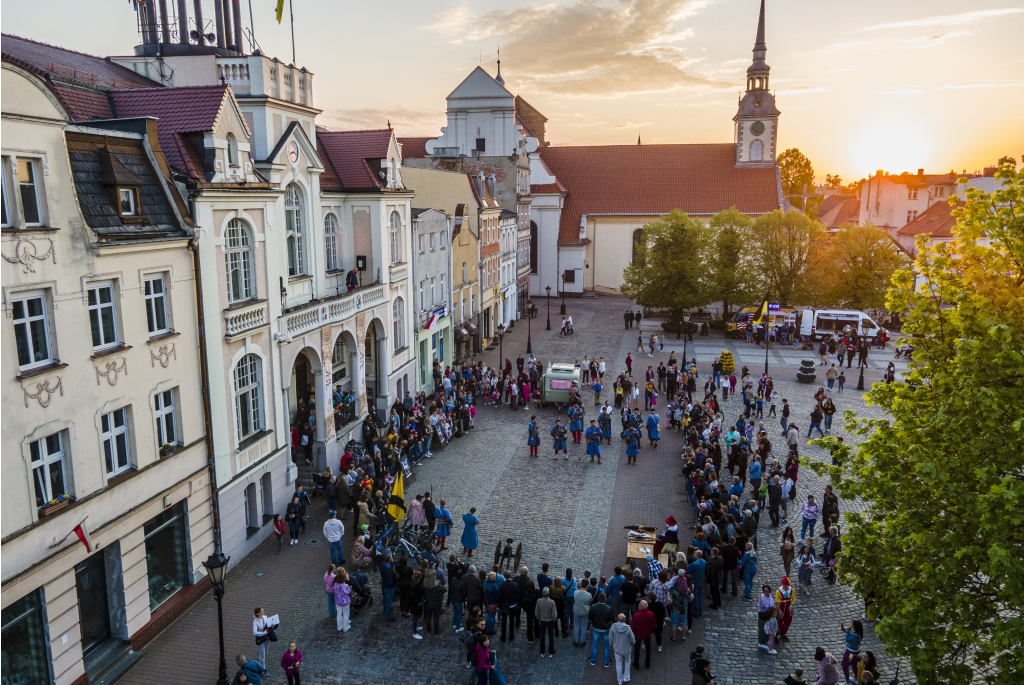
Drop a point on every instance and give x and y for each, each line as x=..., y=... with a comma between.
x=873, y=84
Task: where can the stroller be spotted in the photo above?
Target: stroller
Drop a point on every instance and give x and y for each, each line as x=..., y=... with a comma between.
x=359, y=582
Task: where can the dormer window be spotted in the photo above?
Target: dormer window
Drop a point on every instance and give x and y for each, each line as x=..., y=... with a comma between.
x=127, y=199
x=232, y=150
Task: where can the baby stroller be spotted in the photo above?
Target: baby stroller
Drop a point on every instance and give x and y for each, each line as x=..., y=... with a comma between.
x=359, y=582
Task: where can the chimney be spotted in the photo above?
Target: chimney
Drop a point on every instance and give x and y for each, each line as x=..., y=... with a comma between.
x=218, y=20
x=237, y=15
x=182, y=23
x=878, y=173
x=165, y=23
x=920, y=172
x=199, y=22
x=990, y=171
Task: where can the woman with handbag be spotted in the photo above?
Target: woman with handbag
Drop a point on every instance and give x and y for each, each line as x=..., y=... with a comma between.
x=263, y=633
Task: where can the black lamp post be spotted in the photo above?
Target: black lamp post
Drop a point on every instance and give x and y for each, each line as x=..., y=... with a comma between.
x=860, y=380
x=529, y=327
x=764, y=325
x=686, y=325
x=217, y=565
x=501, y=346
x=562, y=312
x=548, y=289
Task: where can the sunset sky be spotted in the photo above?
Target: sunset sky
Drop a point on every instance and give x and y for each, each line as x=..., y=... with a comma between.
x=861, y=85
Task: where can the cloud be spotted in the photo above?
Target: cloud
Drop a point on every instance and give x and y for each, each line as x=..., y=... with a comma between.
x=631, y=124
x=587, y=48
x=932, y=41
x=375, y=117
x=948, y=20
x=803, y=90
x=905, y=90
x=982, y=84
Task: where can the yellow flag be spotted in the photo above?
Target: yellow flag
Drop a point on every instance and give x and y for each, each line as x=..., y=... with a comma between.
x=280, y=10
x=762, y=314
x=396, y=505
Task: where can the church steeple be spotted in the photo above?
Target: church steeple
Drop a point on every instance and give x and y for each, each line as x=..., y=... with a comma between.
x=498, y=78
x=757, y=72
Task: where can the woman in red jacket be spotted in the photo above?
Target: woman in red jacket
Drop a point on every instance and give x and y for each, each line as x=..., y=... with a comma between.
x=290, y=662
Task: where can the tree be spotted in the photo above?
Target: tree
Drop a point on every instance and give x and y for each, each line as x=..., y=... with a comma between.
x=781, y=244
x=796, y=171
x=939, y=548
x=733, y=279
x=669, y=270
x=852, y=268
x=833, y=181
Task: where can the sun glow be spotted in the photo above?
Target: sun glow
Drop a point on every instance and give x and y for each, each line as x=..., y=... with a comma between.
x=890, y=145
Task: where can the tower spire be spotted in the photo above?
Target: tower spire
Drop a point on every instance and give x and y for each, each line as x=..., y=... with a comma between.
x=498, y=78
x=757, y=72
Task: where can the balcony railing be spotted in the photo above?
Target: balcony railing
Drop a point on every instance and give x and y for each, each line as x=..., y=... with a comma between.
x=398, y=273
x=331, y=311
x=238, y=321
x=344, y=414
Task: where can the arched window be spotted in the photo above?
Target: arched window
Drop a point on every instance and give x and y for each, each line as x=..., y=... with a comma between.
x=239, y=260
x=232, y=150
x=398, y=320
x=331, y=242
x=396, y=237
x=295, y=231
x=638, y=236
x=248, y=396
x=534, y=240
x=756, y=151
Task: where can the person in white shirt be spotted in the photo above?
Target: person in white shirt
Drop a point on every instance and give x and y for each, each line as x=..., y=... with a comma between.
x=600, y=369
x=334, y=530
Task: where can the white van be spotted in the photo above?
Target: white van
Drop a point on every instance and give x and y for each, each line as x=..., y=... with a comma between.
x=818, y=324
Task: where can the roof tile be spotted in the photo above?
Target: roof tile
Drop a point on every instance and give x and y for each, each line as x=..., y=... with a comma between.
x=347, y=152
x=937, y=220
x=74, y=67
x=414, y=147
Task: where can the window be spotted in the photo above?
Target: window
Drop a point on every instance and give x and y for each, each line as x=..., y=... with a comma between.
x=443, y=293
x=102, y=317
x=49, y=473
x=569, y=276
x=756, y=151
x=25, y=658
x=248, y=413
x=433, y=290
x=444, y=239
x=433, y=242
x=331, y=242
x=912, y=193
x=534, y=244
x=294, y=231
x=396, y=237
x=911, y=215
x=27, y=174
x=481, y=145
x=6, y=220
x=31, y=330
x=127, y=201
x=398, y=315
x=156, y=305
x=232, y=150
x=252, y=525
x=940, y=192
x=424, y=378
x=638, y=236
x=166, y=423
x=167, y=559
x=267, y=496
x=423, y=294
x=115, y=442
x=422, y=243
x=463, y=272
x=238, y=255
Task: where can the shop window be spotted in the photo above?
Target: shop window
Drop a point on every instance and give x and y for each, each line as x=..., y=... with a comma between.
x=25, y=657
x=167, y=557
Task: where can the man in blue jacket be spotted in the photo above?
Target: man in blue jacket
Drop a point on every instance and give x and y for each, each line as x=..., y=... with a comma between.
x=696, y=571
x=249, y=672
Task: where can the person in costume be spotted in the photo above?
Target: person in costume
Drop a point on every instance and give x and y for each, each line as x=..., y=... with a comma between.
x=604, y=421
x=594, y=435
x=632, y=436
x=653, y=428
x=443, y=517
x=785, y=597
x=576, y=422
x=470, y=538
x=533, y=436
x=558, y=433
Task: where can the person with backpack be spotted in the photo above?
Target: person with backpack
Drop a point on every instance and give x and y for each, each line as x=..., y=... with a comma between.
x=700, y=667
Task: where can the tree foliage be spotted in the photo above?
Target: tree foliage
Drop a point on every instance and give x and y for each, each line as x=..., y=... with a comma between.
x=669, y=271
x=796, y=171
x=852, y=268
x=780, y=250
x=940, y=546
x=734, y=279
x=833, y=181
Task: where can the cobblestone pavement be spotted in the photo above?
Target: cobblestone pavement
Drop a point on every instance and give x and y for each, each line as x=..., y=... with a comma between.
x=566, y=513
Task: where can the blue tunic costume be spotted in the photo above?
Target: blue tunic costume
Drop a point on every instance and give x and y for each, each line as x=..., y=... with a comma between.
x=533, y=435
x=444, y=522
x=558, y=433
x=605, y=422
x=594, y=435
x=653, y=431
x=470, y=539
x=575, y=419
x=632, y=436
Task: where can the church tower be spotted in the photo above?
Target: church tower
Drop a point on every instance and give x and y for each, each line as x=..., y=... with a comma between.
x=757, y=118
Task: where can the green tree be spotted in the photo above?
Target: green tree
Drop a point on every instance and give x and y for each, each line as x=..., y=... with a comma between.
x=852, y=268
x=781, y=245
x=796, y=171
x=732, y=275
x=940, y=546
x=833, y=181
x=669, y=271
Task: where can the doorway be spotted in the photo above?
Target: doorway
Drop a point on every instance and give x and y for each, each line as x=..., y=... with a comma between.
x=93, y=603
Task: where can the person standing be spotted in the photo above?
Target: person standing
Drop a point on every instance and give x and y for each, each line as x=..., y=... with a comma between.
x=443, y=517
x=765, y=603
x=558, y=434
x=787, y=549
x=279, y=532
x=697, y=569
x=249, y=671
x=533, y=436
x=748, y=567
x=470, y=538
x=262, y=632
x=508, y=606
x=810, y=512
x=715, y=576
x=334, y=530
x=388, y=583
x=581, y=600
x=853, y=637
x=642, y=626
x=600, y=618
x=456, y=597
x=638, y=317
x=290, y=662
x=342, y=600
x=632, y=437
x=594, y=436
x=785, y=597
x=293, y=514
x=628, y=318
x=547, y=614
x=653, y=428
x=622, y=641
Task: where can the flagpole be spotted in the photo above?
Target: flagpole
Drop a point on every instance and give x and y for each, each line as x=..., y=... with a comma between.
x=57, y=543
x=291, y=14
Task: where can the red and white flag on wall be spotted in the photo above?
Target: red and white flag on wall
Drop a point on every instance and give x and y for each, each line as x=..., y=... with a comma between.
x=83, y=536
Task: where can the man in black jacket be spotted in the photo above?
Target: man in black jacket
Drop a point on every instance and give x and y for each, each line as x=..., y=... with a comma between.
x=714, y=577
x=456, y=597
x=508, y=606
x=601, y=620
x=774, y=500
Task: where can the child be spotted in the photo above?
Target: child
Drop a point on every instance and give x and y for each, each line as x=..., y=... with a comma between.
x=796, y=677
x=774, y=401
x=597, y=393
x=290, y=662
x=279, y=532
x=760, y=406
x=771, y=629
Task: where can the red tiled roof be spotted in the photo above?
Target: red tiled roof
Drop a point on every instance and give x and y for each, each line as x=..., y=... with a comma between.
x=546, y=188
x=937, y=220
x=655, y=179
x=329, y=178
x=413, y=147
x=70, y=66
x=191, y=109
x=836, y=210
x=84, y=105
x=347, y=152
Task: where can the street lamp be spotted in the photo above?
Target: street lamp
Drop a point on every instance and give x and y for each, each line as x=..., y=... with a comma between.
x=548, y=289
x=529, y=321
x=686, y=324
x=217, y=565
x=767, y=342
x=563, y=295
x=501, y=346
x=860, y=380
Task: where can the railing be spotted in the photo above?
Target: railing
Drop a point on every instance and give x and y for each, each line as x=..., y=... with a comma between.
x=398, y=273
x=238, y=321
x=333, y=311
x=234, y=71
x=344, y=414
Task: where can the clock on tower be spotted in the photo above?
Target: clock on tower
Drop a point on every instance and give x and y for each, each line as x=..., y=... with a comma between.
x=757, y=118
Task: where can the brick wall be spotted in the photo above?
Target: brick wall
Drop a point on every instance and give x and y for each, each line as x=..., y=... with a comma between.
x=171, y=610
